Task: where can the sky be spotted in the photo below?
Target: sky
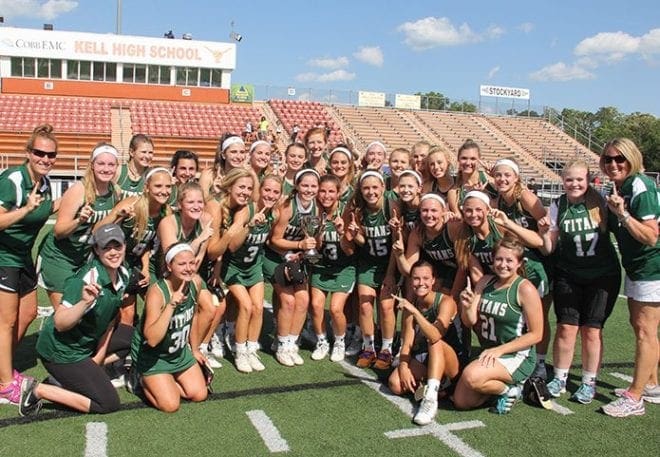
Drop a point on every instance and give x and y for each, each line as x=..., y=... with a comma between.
x=580, y=54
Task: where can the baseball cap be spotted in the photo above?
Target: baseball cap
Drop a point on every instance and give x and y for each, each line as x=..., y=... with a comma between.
x=107, y=233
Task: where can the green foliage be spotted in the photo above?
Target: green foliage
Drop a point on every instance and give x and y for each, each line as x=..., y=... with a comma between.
x=434, y=101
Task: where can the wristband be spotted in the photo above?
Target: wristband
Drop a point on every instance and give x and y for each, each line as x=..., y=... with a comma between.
x=624, y=217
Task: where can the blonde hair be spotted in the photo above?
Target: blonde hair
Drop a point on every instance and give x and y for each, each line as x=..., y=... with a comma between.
x=595, y=203
x=41, y=131
x=141, y=207
x=89, y=181
x=628, y=149
x=227, y=183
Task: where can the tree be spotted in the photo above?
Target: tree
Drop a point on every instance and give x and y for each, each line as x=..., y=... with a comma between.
x=433, y=100
x=464, y=107
x=530, y=113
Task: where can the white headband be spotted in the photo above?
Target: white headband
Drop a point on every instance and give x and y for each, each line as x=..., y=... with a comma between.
x=477, y=194
x=369, y=173
x=177, y=249
x=343, y=150
x=153, y=171
x=432, y=196
x=255, y=144
x=376, y=143
x=509, y=163
x=231, y=141
x=412, y=173
x=300, y=174
x=104, y=148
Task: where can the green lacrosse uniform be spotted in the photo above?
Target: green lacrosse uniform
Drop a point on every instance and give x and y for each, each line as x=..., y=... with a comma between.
x=292, y=232
x=583, y=250
x=287, y=187
x=453, y=335
x=345, y=197
x=501, y=320
x=488, y=190
x=81, y=341
x=336, y=270
x=245, y=265
x=642, y=200
x=440, y=252
x=129, y=188
x=435, y=189
x=16, y=241
x=135, y=248
x=59, y=258
x=374, y=254
x=173, y=353
x=410, y=217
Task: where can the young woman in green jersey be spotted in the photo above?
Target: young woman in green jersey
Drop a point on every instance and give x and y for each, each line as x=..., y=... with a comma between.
x=139, y=217
x=25, y=205
x=409, y=190
x=635, y=211
x=236, y=192
x=177, y=311
x=334, y=274
x=85, y=203
x=184, y=166
x=469, y=176
x=342, y=166
x=317, y=147
x=242, y=269
x=130, y=176
x=231, y=154
x=418, y=154
x=438, y=166
x=83, y=335
x=288, y=242
x=375, y=156
x=505, y=311
x=260, y=153
x=368, y=233
x=431, y=346
x=587, y=276
x=398, y=162
x=295, y=155
x=524, y=208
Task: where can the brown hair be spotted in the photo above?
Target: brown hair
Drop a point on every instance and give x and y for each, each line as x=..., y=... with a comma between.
x=41, y=131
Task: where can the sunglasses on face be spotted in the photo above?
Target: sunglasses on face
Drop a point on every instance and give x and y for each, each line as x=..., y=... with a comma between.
x=41, y=154
x=618, y=159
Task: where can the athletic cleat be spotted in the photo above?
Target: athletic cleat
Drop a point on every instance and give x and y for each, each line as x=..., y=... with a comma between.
x=321, y=350
x=338, y=352
x=18, y=376
x=255, y=361
x=650, y=394
x=505, y=402
x=624, y=406
x=384, y=360
x=242, y=362
x=11, y=394
x=354, y=344
x=216, y=347
x=213, y=362
x=295, y=356
x=556, y=387
x=366, y=358
x=585, y=394
x=29, y=402
x=284, y=357
x=428, y=408
x=119, y=381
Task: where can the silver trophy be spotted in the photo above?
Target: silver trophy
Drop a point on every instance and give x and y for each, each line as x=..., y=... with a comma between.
x=311, y=227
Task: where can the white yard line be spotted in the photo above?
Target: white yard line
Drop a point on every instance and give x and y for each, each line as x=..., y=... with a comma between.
x=96, y=437
x=625, y=377
x=268, y=432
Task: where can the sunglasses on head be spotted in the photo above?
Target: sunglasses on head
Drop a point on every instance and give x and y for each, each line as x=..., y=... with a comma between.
x=617, y=159
x=41, y=154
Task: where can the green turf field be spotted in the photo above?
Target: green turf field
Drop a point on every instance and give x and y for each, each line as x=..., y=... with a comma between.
x=329, y=409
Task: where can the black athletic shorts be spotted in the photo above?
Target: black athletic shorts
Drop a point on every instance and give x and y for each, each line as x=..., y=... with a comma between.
x=584, y=302
x=19, y=280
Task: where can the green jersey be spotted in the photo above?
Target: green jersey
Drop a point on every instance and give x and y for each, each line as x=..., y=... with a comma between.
x=501, y=317
x=129, y=188
x=642, y=200
x=584, y=251
x=81, y=341
x=377, y=234
x=334, y=258
x=173, y=353
x=16, y=241
x=453, y=336
x=135, y=247
x=483, y=249
x=440, y=252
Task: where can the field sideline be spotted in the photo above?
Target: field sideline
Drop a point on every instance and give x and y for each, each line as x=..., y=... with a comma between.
x=334, y=409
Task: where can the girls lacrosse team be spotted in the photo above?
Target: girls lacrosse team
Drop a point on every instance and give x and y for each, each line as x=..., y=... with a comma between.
x=401, y=255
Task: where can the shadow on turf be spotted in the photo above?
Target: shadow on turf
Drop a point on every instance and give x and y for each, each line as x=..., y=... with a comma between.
x=57, y=412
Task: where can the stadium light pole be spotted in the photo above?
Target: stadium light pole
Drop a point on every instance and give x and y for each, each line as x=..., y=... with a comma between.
x=118, y=17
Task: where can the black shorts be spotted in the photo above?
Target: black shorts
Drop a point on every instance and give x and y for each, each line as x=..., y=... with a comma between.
x=584, y=302
x=19, y=280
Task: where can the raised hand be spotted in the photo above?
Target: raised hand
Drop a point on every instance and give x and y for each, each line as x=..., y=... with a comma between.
x=616, y=203
x=179, y=295
x=85, y=213
x=403, y=304
x=34, y=199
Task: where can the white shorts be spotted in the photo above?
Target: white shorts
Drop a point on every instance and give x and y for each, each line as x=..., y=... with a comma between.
x=513, y=363
x=642, y=291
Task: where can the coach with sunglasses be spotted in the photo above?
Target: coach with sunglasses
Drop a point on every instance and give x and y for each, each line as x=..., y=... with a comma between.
x=635, y=203
x=25, y=205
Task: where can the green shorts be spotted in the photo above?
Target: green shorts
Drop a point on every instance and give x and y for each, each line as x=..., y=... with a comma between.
x=520, y=367
x=149, y=363
x=233, y=275
x=334, y=280
x=52, y=273
x=535, y=272
x=371, y=275
x=270, y=261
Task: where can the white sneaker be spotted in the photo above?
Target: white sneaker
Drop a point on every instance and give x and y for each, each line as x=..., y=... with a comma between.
x=217, y=349
x=338, y=352
x=354, y=344
x=242, y=362
x=295, y=356
x=283, y=356
x=428, y=408
x=118, y=382
x=213, y=362
x=255, y=362
x=321, y=351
